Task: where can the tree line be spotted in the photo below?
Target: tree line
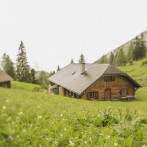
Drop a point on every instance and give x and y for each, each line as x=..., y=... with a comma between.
x=136, y=50
x=22, y=71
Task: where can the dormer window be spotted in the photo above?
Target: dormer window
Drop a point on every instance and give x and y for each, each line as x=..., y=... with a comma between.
x=109, y=78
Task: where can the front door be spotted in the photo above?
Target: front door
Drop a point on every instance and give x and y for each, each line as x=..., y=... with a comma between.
x=107, y=94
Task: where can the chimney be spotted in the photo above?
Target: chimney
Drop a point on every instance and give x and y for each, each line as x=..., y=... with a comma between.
x=82, y=66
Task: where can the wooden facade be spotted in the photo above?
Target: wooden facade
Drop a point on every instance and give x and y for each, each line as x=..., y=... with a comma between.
x=5, y=84
x=107, y=88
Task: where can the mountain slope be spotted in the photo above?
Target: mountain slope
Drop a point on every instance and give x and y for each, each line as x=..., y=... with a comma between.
x=126, y=45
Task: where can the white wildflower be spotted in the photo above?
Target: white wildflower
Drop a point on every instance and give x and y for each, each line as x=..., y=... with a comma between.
x=39, y=117
x=46, y=138
x=61, y=135
x=20, y=113
x=115, y=144
x=71, y=143
x=144, y=146
x=61, y=115
x=4, y=107
x=107, y=137
x=64, y=129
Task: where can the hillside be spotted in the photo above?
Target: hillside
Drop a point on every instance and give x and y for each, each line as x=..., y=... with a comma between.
x=126, y=45
x=137, y=71
x=41, y=119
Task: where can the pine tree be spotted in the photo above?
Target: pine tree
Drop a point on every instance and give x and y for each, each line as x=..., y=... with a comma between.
x=58, y=68
x=121, y=58
x=143, y=46
x=33, y=72
x=8, y=65
x=22, y=67
x=111, y=58
x=115, y=59
x=130, y=53
x=71, y=62
x=82, y=59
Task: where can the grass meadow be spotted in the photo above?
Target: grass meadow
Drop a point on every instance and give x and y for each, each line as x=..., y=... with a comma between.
x=39, y=119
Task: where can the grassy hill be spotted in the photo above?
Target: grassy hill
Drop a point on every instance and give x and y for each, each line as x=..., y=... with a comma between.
x=31, y=119
x=137, y=71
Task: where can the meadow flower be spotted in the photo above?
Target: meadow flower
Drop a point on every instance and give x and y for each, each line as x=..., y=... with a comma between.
x=115, y=144
x=71, y=143
x=9, y=138
x=39, y=117
x=78, y=125
x=61, y=115
x=64, y=129
x=144, y=146
x=85, y=142
x=20, y=113
x=119, y=127
x=4, y=107
x=107, y=137
x=61, y=135
x=38, y=106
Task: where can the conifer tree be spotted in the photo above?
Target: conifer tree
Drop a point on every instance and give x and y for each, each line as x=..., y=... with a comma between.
x=8, y=65
x=103, y=60
x=121, y=58
x=82, y=59
x=115, y=59
x=58, y=68
x=111, y=58
x=130, y=53
x=22, y=67
x=33, y=72
x=71, y=62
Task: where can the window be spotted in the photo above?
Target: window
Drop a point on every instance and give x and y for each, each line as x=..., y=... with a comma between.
x=109, y=78
x=93, y=95
x=124, y=91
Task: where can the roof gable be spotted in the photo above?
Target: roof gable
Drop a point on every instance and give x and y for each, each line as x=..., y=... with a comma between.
x=70, y=77
x=4, y=77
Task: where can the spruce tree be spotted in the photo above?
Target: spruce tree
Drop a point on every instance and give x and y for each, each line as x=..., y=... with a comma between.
x=33, y=72
x=130, y=53
x=82, y=59
x=8, y=65
x=111, y=58
x=22, y=66
x=71, y=62
x=115, y=59
x=143, y=46
x=58, y=68
x=121, y=58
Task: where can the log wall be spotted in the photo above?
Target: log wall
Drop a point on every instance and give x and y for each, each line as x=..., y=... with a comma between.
x=120, y=82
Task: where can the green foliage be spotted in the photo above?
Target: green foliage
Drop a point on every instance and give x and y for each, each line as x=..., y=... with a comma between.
x=111, y=58
x=130, y=53
x=71, y=62
x=82, y=59
x=139, y=48
x=42, y=119
x=121, y=58
x=8, y=65
x=25, y=86
x=22, y=67
x=103, y=60
x=58, y=68
x=33, y=78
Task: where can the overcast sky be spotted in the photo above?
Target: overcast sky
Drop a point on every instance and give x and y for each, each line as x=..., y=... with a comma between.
x=54, y=31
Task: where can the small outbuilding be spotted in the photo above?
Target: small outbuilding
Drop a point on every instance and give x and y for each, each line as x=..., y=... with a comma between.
x=102, y=82
x=5, y=79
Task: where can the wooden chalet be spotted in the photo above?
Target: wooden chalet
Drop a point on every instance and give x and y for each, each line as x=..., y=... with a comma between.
x=102, y=82
x=5, y=80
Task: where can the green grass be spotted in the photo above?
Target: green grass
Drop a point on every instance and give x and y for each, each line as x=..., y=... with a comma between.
x=31, y=119
x=25, y=86
x=137, y=71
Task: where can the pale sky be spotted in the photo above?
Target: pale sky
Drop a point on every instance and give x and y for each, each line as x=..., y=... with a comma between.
x=54, y=31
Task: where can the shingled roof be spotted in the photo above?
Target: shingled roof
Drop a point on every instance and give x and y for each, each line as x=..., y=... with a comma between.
x=4, y=77
x=70, y=77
